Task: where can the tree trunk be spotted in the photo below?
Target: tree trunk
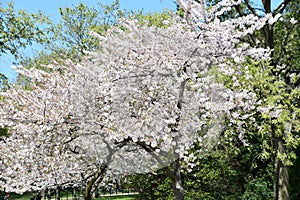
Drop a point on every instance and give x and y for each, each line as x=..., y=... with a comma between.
x=74, y=194
x=43, y=194
x=96, y=177
x=88, y=194
x=48, y=194
x=281, y=176
x=173, y=173
x=58, y=193
x=177, y=182
x=88, y=190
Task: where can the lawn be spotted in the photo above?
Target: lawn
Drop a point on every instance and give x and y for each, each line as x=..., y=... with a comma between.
x=117, y=198
x=125, y=197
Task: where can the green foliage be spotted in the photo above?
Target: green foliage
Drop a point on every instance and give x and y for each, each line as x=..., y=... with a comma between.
x=72, y=34
x=152, y=185
x=3, y=83
x=71, y=37
x=117, y=198
x=294, y=182
x=19, y=29
x=162, y=20
x=258, y=189
x=278, y=99
x=287, y=43
x=3, y=133
x=213, y=178
x=111, y=14
x=230, y=171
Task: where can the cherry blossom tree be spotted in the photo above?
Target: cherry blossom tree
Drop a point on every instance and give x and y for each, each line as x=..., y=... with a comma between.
x=151, y=89
x=155, y=87
x=32, y=153
x=161, y=102
x=45, y=148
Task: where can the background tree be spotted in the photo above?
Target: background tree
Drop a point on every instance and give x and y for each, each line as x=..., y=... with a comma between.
x=19, y=29
x=69, y=39
x=282, y=37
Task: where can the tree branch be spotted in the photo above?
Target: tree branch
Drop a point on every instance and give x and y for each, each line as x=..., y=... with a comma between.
x=252, y=10
x=150, y=151
x=281, y=7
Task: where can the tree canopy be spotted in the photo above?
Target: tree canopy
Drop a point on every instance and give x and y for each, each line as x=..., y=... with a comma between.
x=141, y=93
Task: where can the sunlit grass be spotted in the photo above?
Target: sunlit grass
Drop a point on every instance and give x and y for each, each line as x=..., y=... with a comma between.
x=117, y=198
x=28, y=196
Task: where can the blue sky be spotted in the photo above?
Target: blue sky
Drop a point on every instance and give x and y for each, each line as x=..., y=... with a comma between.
x=51, y=8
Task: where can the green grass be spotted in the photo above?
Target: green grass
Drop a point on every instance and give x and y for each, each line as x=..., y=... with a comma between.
x=125, y=197
x=20, y=197
x=117, y=198
x=27, y=196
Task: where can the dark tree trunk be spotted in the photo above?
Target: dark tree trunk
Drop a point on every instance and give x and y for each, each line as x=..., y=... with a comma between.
x=173, y=171
x=88, y=193
x=48, y=194
x=281, y=176
x=58, y=193
x=91, y=183
x=177, y=182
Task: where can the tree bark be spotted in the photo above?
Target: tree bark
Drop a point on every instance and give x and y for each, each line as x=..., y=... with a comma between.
x=173, y=171
x=96, y=177
x=281, y=176
x=58, y=193
x=177, y=182
x=87, y=192
x=48, y=194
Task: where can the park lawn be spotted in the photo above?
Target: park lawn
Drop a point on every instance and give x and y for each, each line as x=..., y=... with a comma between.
x=125, y=197
x=117, y=198
x=101, y=198
x=21, y=197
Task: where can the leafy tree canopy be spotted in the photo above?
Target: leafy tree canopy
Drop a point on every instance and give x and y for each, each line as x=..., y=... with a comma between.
x=19, y=29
